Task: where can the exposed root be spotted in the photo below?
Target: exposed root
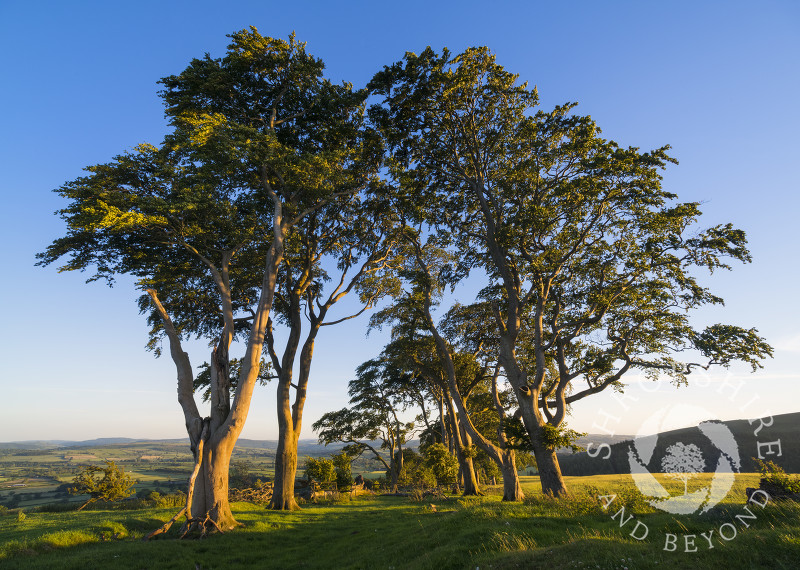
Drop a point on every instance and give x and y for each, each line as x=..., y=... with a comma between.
x=163, y=529
x=202, y=525
x=187, y=510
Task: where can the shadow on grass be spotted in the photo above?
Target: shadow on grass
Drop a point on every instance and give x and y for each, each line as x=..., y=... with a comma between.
x=392, y=532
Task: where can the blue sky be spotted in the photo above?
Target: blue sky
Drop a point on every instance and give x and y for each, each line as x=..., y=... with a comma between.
x=716, y=80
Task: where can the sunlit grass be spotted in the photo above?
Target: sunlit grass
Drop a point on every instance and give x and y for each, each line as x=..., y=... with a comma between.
x=379, y=532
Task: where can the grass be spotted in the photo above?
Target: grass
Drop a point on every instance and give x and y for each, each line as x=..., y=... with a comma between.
x=393, y=532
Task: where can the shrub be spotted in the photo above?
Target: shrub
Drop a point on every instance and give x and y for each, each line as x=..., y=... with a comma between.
x=773, y=474
x=415, y=472
x=320, y=470
x=442, y=463
x=344, y=471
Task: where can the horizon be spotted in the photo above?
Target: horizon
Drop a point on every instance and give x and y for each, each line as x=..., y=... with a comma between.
x=316, y=441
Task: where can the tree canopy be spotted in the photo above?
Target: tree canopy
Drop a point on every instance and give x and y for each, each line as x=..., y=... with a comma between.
x=592, y=265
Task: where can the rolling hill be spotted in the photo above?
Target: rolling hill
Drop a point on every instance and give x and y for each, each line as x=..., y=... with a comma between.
x=785, y=427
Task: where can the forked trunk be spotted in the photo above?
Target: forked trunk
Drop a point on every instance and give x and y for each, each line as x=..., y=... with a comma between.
x=210, y=497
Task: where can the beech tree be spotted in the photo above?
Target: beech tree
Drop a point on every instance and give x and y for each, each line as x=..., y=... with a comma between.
x=201, y=222
x=374, y=415
x=594, y=264
x=352, y=234
x=428, y=271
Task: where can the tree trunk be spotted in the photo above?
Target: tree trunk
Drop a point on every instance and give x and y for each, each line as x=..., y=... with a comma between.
x=285, y=456
x=393, y=473
x=471, y=486
x=210, y=496
x=467, y=470
x=512, y=491
x=398, y=468
x=549, y=472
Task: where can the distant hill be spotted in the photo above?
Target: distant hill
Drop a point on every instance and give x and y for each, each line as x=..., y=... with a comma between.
x=305, y=446
x=785, y=427
x=99, y=442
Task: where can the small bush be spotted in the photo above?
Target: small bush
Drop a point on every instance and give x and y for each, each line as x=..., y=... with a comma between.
x=442, y=463
x=417, y=495
x=320, y=470
x=109, y=483
x=342, y=462
x=773, y=474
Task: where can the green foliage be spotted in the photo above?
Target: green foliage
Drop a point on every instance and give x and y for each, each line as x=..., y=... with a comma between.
x=342, y=462
x=592, y=264
x=415, y=472
x=109, y=483
x=775, y=475
x=556, y=437
x=320, y=470
x=442, y=463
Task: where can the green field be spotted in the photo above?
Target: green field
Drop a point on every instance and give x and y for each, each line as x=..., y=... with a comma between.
x=32, y=477
x=396, y=532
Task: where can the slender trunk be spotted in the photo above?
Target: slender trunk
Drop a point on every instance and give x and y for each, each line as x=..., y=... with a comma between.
x=285, y=470
x=445, y=442
x=286, y=454
x=471, y=486
x=467, y=469
x=398, y=467
x=393, y=471
x=512, y=491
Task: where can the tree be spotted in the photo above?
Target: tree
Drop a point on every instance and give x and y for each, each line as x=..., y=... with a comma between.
x=427, y=273
x=592, y=264
x=354, y=236
x=683, y=462
x=409, y=363
x=109, y=483
x=202, y=222
x=374, y=415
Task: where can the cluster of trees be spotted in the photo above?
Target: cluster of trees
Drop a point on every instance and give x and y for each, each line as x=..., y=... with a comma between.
x=277, y=193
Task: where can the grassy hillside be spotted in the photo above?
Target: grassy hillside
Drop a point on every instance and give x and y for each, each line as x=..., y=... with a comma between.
x=394, y=532
x=785, y=427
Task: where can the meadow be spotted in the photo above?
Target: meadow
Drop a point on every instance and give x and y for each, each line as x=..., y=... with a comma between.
x=392, y=532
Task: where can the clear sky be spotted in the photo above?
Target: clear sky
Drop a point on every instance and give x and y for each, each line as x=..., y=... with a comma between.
x=718, y=81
